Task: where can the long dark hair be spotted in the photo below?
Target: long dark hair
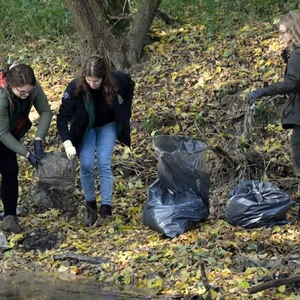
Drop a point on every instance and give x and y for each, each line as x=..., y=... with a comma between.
x=18, y=75
x=95, y=66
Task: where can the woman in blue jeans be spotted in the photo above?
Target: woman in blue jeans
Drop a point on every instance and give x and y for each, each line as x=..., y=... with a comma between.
x=94, y=113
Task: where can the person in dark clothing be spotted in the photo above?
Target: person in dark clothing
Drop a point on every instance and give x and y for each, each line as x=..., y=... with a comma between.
x=289, y=30
x=19, y=91
x=97, y=106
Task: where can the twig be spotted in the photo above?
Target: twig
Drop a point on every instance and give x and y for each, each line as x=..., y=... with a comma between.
x=205, y=280
x=273, y=283
x=248, y=123
x=90, y=259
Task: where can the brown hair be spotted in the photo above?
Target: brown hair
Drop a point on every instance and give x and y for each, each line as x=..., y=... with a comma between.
x=19, y=75
x=292, y=23
x=95, y=66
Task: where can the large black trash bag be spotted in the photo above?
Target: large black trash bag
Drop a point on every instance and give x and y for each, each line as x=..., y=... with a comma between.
x=178, y=199
x=253, y=204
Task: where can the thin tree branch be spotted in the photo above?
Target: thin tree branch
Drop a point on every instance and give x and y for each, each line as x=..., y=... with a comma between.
x=86, y=258
x=273, y=283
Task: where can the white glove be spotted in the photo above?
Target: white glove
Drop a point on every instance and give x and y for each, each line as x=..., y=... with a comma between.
x=70, y=149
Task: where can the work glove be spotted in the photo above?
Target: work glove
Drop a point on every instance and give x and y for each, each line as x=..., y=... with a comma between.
x=253, y=96
x=70, y=149
x=38, y=149
x=33, y=160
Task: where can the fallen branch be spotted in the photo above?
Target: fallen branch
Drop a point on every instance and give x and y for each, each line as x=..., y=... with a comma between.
x=90, y=259
x=273, y=283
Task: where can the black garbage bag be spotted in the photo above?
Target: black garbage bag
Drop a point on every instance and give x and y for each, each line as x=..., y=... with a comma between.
x=253, y=204
x=56, y=184
x=178, y=199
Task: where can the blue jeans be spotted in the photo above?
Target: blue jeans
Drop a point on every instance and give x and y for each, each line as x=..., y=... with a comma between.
x=102, y=139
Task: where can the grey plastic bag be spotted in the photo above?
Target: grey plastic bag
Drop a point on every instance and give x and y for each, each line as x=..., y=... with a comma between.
x=253, y=204
x=58, y=171
x=178, y=199
x=56, y=184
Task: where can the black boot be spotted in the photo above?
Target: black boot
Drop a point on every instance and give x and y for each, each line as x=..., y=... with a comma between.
x=91, y=213
x=11, y=224
x=105, y=214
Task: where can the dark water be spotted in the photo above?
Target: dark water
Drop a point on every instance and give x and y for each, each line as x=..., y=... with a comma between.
x=30, y=286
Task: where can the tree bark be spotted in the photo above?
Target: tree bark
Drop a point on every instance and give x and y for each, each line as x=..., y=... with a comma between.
x=96, y=28
x=140, y=28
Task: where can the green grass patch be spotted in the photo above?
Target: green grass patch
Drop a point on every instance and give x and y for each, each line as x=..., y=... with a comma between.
x=22, y=20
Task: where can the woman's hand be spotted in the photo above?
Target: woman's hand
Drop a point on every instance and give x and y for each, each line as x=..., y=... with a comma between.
x=70, y=149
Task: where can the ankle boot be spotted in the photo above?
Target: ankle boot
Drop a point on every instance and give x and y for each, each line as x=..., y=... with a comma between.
x=105, y=214
x=91, y=213
x=11, y=224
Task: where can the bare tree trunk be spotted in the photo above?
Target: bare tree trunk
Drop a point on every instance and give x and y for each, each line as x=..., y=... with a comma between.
x=95, y=26
x=140, y=28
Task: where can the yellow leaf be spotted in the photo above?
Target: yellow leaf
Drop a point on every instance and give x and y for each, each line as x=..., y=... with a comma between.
x=176, y=128
x=218, y=70
x=245, y=28
x=155, y=282
x=169, y=253
x=127, y=280
x=269, y=73
x=15, y=238
x=213, y=294
x=282, y=289
x=243, y=284
x=174, y=75
x=63, y=269
x=153, y=133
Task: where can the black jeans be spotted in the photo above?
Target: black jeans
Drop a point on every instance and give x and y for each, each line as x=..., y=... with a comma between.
x=9, y=183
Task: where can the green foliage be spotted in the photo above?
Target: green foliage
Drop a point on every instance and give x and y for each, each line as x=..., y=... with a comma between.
x=151, y=124
x=219, y=15
x=22, y=20
x=25, y=19
x=176, y=10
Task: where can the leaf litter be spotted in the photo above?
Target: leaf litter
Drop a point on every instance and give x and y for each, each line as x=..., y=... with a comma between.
x=191, y=85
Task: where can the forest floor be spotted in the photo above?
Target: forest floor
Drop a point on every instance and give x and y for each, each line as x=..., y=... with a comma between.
x=193, y=85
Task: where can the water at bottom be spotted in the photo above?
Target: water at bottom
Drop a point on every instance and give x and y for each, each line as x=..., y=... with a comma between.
x=31, y=286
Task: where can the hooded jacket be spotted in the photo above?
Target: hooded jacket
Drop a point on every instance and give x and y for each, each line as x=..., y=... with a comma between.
x=12, y=129
x=80, y=112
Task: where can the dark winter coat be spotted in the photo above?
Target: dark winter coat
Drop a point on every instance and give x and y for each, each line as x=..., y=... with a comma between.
x=79, y=111
x=291, y=86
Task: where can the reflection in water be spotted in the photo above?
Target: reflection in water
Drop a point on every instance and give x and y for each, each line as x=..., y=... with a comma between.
x=30, y=286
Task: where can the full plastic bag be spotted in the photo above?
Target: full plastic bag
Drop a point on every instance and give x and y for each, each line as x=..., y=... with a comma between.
x=253, y=204
x=56, y=184
x=178, y=199
x=58, y=171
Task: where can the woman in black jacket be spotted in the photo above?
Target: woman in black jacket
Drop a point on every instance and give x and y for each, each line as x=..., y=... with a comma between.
x=97, y=106
x=289, y=30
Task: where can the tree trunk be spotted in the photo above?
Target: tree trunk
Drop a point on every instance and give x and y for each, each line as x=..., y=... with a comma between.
x=104, y=29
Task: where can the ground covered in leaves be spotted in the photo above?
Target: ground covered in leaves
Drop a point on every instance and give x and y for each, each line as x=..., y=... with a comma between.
x=194, y=84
